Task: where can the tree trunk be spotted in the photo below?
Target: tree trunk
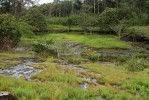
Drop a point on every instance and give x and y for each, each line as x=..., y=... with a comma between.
x=98, y=6
x=94, y=6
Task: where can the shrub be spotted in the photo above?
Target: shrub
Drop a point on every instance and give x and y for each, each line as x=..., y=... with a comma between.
x=93, y=57
x=43, y=48
x=90, y=54
x=137, y=64
x=138, y=32
x=11, y=30
x=59, y=49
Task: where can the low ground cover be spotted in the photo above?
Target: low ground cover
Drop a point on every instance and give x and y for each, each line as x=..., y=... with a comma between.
x=97, y=41
x=108, y=80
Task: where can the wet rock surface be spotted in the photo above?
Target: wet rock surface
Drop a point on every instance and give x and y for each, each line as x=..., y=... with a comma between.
x=21, y=69
x=20, y=49
x=84, y=85
x=87, y=79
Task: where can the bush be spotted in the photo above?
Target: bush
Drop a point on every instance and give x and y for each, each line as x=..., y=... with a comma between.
x=11, y=30
x=137, y=64
x=59, y=49
x=138, y=32
x=90, y=54
x=43, y=48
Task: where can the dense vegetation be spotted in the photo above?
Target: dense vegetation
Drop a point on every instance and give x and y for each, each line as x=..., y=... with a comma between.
x=84, y=49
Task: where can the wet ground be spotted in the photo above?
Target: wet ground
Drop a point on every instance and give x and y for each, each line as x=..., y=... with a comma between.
x=27, y=71
x=21, y=69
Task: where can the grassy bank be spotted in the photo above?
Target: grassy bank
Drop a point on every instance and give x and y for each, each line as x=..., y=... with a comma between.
x=9, y=59
x=96, y=41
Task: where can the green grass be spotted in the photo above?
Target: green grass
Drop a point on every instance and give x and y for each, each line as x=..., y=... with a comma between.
x=57, y=82
x=9, y=59
x=96, y=41
x=129, y=82
x=25, y=90
x=62, y=27
x=61, y=83
x=56, y=73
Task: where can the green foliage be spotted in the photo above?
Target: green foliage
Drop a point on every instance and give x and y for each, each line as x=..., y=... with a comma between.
x=86, y=21
x=35, y=18
x=105, y=92
x=137, y=84
x=91, y=55
x=57, y=20
x=122, y=96
x=137, y=64
x=108, y=18
x=24, y=28
x=139, y=19
x=69, y=23
x=95, y=41
x=72, y=20
x=59, y=49
x=10, y=31
x=138, y=32
x=42, y=48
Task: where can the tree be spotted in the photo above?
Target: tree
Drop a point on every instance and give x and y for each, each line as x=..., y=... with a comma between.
x=46, y=9
x=86, y=22
x=36, y=19
x=14, y=6
x=11, y=31
x=108, y=18
x=118, y=28
x=72, y=21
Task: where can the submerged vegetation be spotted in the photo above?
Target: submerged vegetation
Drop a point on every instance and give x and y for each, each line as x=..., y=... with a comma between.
x=74, y=50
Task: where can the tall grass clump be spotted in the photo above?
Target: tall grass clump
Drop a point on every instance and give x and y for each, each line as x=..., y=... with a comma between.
x=137, y=84
x=137, y=64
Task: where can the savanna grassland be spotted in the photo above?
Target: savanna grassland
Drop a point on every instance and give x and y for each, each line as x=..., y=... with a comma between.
x=55, y=81
x=74, y=50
